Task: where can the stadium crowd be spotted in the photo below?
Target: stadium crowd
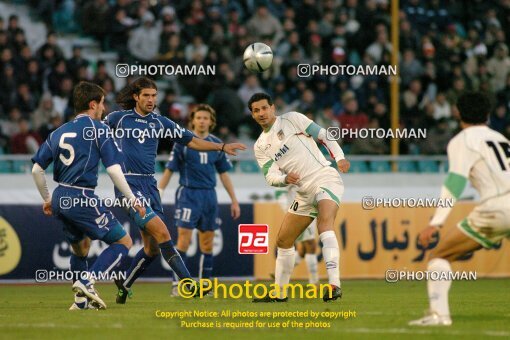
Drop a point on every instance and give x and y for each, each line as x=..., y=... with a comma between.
x=446, y=47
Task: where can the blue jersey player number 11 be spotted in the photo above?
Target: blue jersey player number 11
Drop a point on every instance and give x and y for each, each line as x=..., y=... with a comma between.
x=196, y=201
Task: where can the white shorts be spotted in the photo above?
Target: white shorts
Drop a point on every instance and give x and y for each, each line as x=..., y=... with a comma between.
x=309, y=233
x=489, y=222
x=326, y=184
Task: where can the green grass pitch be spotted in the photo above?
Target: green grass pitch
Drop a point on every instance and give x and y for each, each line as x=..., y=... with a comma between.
x=479, y=309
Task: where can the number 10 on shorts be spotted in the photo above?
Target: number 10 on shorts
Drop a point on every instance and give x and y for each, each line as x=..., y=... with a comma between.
x=253, y=239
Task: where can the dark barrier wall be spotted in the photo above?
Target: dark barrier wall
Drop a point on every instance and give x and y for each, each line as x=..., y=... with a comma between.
x=41, y=243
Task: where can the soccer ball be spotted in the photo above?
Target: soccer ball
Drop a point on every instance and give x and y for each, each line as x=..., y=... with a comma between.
x=258, y=57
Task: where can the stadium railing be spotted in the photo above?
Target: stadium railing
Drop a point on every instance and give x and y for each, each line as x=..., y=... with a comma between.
x=245, y=163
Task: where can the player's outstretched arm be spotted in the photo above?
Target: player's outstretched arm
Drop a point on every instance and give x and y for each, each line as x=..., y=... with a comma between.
x=203, y=145
x=235, y=209
x=163, y=182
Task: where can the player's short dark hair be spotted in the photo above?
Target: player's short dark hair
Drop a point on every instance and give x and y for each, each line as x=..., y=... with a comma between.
x=474, y=107
x=260, y=96
x=84, y=93
x=203, y=107
x=125, y=96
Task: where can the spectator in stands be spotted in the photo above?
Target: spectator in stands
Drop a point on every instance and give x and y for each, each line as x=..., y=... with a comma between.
x=44, y=112
x=195, y=49
x=7, y=86
x=442, y=108
x=62, y=98
x=228, y=105
x=25, y=141
x=264, y=24
x=121, y=25
x=306, y=103
x=51, y=43
x=144, y=41
x=25, y=100
x=249, y=87
x=410, y=67
x=370, y=145
x=437, y=139
x=500, y=119
x=10, y=126
x=459, y=85
x=94, y=20
x=499, y=67
x=172, y=52
x=504, y=94
x=380, y=46
x=13, y=27
x=351, y=118
x=34, y=78
x=76, y=62
x=101, y=73
x=53, y=123
x=57, y=74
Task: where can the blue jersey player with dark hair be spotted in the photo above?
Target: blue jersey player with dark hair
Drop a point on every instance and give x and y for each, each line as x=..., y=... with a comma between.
x=196, y=201
x=75, y=149
x=137, y=130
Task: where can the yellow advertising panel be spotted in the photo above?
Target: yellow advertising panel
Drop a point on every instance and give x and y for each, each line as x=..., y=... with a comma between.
x=374, y=241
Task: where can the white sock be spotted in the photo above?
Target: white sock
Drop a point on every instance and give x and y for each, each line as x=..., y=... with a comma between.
x=297, y=260
x=331, y=255
x=311, y=264
x=284, y=266
x=438, y=290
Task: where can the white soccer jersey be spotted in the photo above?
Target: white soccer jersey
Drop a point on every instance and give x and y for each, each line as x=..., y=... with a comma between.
x=482, y=156
x=288, y=147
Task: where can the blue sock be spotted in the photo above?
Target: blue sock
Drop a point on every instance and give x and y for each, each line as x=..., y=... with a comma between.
x=206, y=266
x=184, y=258
x=108, y=260
x=140, y=262
x=173, y=258
x=78, y=264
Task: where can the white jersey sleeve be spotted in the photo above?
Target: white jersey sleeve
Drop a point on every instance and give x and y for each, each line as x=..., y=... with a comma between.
x=272, y=173
x=461, y=159
x=310, y=128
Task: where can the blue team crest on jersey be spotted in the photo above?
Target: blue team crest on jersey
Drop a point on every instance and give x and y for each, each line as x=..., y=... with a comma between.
x=152, y=125
x=280, y=135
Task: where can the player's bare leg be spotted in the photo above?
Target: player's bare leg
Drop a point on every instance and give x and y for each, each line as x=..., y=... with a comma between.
x=452, y=245
x=325, y=221
x=309, y=250
x=183, y=239
x=292, y=226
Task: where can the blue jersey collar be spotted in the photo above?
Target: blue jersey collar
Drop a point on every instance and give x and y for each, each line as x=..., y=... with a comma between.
x=139, y=114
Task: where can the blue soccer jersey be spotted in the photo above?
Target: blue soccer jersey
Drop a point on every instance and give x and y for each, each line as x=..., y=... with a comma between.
x=76, y=148
x=197, y=169
x=138, y=137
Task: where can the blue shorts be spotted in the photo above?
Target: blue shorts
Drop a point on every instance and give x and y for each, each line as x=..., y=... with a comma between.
x=196, y=208
x=80, y=218
x=144, y=188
